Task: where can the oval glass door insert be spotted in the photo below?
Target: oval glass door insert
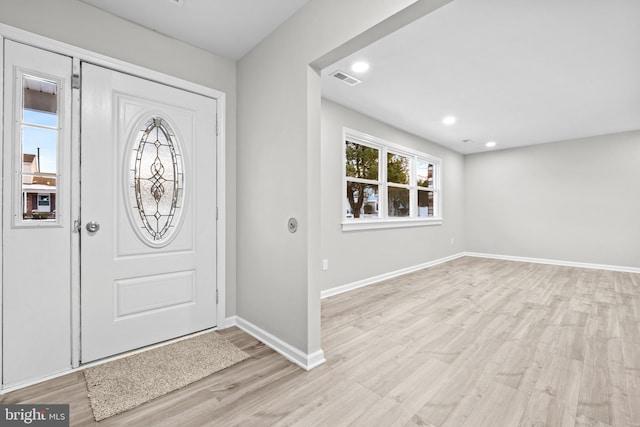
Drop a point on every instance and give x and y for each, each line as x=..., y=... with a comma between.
x=156, y=180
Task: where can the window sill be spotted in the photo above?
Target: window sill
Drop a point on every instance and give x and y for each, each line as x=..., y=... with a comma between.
x=388, y=223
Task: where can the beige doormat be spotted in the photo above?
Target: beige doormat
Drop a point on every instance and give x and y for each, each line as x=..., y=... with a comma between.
x=122, y=384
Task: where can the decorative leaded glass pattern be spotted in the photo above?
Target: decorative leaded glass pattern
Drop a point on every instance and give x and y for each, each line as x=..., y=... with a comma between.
x=157, y=179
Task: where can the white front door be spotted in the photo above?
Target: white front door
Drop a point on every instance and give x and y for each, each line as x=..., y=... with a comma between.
x=148, y=206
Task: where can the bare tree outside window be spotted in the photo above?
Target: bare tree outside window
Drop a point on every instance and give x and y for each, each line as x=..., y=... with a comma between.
x=398, y=172
x=362, y=163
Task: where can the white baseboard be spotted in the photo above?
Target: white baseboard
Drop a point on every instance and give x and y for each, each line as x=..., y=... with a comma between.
x=371, y=280
x=304, y=360
x=230, y=321
x=555, y=262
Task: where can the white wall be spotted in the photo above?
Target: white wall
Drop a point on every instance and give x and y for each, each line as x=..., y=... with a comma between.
x=279, y=162
x=574, y=201
x=360, y=255
x=85, y=26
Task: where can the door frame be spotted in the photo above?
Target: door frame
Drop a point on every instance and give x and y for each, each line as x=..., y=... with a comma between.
x=83, y=55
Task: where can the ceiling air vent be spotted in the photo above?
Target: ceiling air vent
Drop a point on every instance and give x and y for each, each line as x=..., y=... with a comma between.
x=350, y=80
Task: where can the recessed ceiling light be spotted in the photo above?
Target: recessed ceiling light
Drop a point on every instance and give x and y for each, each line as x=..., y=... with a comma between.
x=359, y=67
x=449, y=120
x=490, y=144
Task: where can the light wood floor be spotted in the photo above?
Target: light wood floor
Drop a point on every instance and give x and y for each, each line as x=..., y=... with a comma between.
x=473, y=342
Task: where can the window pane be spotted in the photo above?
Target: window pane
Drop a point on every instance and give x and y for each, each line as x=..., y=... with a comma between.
x=362, y=200
x=424, y=173
x=425, y=203
x=38, y=198
x=39, y=153
x=39, y=101
x=398, y=202
x=39, y=148
x=398, y=169
x=362, y=161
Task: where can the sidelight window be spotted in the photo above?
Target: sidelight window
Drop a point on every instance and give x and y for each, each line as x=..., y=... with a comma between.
x=38, y=150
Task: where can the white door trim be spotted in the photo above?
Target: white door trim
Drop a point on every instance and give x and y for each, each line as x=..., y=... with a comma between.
x=75, y=208
x=79, y=54
x=1, y=198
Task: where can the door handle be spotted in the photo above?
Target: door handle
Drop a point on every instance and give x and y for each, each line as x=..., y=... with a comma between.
x=93, y=227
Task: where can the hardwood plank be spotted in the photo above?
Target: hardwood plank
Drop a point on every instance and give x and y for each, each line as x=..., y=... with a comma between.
x=630, y=331
x=401, y=402
x=561, y=378
x=518, y=366
x=457, y=396
x=326, y=410
x=633, y=388
x=583, y=421
x=416, y=421
x=500, y=406
x=545, y=410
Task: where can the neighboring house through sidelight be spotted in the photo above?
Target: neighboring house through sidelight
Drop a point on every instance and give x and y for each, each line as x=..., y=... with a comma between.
x=38, y=190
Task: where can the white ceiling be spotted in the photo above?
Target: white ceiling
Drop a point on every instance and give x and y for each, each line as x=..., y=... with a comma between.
x=229, y=28
x=517, y=72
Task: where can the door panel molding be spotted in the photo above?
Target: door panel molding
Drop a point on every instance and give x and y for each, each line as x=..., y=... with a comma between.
x=177, y=288
x=137, y=244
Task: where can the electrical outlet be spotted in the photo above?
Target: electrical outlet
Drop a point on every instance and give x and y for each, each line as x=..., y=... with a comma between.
x=452, y=240
x=325, y=264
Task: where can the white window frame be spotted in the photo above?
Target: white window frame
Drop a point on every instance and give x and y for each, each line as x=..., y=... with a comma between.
x=384, y=221
x=60, y=129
